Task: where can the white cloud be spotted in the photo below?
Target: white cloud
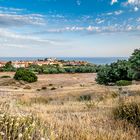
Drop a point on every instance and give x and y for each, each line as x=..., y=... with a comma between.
x=132, y=3
x=110, y=28
x=20, y=20
x=118, y=12
x=135, y=2
x=18, y=17
x=136, y=9
x=113, y=2
x=10, y=38
x=99, y=20
x=11, y=10
x=78, y=2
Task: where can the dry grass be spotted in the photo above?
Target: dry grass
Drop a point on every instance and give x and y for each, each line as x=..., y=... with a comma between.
x=63, y=117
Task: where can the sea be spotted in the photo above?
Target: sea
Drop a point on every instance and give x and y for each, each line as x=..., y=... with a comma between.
x=93, y=60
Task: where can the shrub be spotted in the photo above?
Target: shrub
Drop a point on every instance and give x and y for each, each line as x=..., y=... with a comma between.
x=84, y=98
x=5, y=76
x=23, y=127
x=39, y=100
x=38, y=89
x=129, y=112
x=123, y=83
x=55, y=69
x=50, y=85
x=90, y=104
x=53, y=88
x=25, y=75
x=8, y=67
x=27, y=87
x=44, y=88
x=114, y=95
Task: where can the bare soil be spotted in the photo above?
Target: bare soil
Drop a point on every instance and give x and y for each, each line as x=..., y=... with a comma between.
x=54, y=85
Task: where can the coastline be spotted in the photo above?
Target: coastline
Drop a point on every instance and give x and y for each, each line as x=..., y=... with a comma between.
x=93, y=60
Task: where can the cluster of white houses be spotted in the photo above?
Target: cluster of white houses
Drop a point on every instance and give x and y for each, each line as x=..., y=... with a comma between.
x=25, y=64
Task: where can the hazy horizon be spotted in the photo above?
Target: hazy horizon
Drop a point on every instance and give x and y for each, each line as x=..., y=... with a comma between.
x=63, y=57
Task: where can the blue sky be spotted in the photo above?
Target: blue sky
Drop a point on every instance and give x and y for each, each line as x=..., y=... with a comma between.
x=81, y=28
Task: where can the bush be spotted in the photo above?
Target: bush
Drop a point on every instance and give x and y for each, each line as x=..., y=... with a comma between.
x=53, y=88
x=5, y=76
x=23, y=127
x=123, y=83
x=50, y=85
x=44, y=88
x=25, y=75
x=27, y=87
x=129, y=112
x=8, y=67
x=39, y=100
x=84, y=98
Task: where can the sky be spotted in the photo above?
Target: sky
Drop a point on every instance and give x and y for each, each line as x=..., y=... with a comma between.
x=69, y=28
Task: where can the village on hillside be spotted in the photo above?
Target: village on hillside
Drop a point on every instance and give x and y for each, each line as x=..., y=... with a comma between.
x=46, y=61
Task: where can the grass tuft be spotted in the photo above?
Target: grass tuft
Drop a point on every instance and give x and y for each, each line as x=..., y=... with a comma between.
x=21, y=127
x=129, y=112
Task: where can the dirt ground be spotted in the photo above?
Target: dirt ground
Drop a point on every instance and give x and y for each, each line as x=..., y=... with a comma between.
x=55, y=100
x=55, y=84
x=65, y=85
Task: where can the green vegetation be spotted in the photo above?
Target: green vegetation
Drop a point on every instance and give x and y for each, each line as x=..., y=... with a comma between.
x=25, y=75
x=5, y=76
x=84, y=98
x=129, y=112
x=120, y=70
x=113, y=72
x=54, y=69
x=135, y=64
x=8, y=67
x=123, y=83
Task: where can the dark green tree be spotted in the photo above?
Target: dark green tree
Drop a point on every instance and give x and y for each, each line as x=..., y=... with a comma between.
x=135, y=64
x=113, y=72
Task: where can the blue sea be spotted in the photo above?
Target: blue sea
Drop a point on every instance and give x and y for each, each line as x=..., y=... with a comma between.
x=94, y=60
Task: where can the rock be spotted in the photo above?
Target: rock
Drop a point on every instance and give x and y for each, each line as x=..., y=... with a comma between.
x=27, y=87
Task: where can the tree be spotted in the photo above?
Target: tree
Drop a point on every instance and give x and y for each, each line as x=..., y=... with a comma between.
x=113, y=72
x=103, y=75
x=119, y=70
x=135, y=64
x=135, y=60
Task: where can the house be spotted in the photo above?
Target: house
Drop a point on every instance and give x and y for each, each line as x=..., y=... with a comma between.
x=2, y=64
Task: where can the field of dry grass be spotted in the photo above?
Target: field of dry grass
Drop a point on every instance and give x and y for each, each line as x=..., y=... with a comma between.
x=55, y=100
